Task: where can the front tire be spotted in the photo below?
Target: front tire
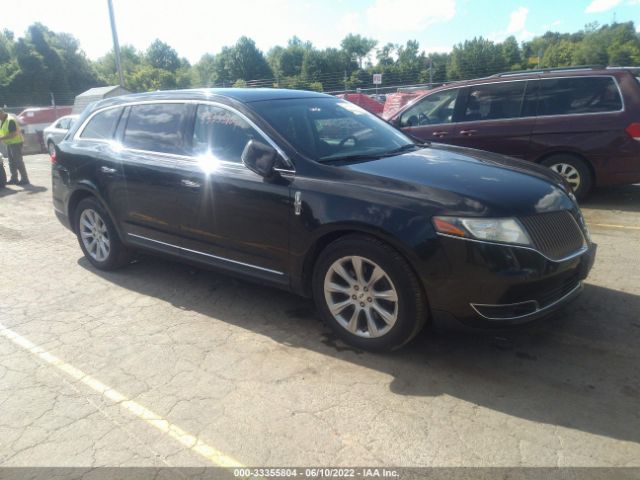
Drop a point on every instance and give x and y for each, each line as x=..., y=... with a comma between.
x=98, y=237
x=368, y=294
x=574, y=170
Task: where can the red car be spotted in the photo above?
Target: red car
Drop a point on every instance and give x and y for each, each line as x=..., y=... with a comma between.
x=582, y=122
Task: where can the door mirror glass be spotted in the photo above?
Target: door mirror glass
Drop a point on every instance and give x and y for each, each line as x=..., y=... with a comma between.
x=260, y=158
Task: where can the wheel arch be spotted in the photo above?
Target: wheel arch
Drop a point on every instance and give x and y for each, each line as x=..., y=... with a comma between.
x=86, y=190
x=571, y=153
x=336, y=232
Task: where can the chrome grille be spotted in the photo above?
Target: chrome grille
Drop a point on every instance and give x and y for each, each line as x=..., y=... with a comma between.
x=555, y=234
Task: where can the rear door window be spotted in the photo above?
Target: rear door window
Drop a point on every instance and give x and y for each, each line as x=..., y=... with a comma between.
x=566, y=96
x=157, y=127
x=494, y=101
x=433, y=109
x=102, y=125
x=222, y=133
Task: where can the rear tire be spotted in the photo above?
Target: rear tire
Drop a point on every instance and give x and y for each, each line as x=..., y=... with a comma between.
x=368, y=294
x=574, y=170
x=98, y=236
x=51, y=148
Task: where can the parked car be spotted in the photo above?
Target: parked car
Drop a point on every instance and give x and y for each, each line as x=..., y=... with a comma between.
x=36, y=119
x=383, y=232
x=55, y=132
x=584, y=123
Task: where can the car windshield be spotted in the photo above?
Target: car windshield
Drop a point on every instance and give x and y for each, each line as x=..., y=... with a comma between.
x=330, y=129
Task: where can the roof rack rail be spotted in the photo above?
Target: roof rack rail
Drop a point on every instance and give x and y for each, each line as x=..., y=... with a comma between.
x=548, y=70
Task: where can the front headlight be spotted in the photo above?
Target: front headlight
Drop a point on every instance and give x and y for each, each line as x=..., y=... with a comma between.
x=504, y=230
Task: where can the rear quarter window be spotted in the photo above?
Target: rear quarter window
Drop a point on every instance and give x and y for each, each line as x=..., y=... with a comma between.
x=102, y=125
x=565, y=96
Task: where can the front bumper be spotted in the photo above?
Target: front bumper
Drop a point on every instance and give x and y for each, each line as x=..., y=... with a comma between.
x=491, y=285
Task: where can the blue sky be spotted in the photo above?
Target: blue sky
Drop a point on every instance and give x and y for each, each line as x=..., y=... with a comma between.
x=194, y=27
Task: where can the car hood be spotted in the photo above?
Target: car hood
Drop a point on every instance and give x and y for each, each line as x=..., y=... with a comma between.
x=467, y=181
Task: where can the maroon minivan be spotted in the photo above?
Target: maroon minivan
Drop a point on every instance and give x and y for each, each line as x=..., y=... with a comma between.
x=582, y=122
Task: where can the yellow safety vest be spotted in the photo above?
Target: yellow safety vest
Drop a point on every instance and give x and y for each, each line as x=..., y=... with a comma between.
x=4, y=130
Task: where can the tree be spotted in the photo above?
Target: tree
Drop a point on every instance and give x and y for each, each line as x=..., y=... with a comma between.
x=560, y=54
x=245, y=61
x=511, y=53
x=204, y=72
x=160, y=55
x=476, y=58
x=357, y=47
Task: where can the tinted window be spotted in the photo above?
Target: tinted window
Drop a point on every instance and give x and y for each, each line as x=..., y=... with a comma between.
x=329, y=128
x=494, y=101
x=564, y=96
x=434, y=109
x=156, y=127
x=221, y=133
x=102, y=125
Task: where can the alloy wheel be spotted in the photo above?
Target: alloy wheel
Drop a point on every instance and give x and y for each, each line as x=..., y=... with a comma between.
x=94, y=235
x=361, y=296
x=569, y=172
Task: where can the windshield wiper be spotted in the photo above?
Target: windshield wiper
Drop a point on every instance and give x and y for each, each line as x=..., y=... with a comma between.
x=405, y=148
x=347, y=158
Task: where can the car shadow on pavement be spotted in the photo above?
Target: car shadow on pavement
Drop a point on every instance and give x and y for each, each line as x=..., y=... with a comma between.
x=623, y=198
x=31, y=189
x=578, y=369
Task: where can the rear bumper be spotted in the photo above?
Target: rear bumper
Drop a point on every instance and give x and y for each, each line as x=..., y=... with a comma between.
x=488, y=285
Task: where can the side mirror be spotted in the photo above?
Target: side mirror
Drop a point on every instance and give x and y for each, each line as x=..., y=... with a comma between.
x=260, y=158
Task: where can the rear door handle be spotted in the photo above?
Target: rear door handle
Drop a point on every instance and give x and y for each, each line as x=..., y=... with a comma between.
x=190, y=183
x=108, y=170
x=468, y=132
x=439, y=134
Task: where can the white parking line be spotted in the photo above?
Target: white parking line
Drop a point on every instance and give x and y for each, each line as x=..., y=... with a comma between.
x=606, y=225
x=188, y=440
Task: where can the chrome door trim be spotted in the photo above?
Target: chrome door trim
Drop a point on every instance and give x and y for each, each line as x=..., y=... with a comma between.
x=78, y=133
x=275, y=272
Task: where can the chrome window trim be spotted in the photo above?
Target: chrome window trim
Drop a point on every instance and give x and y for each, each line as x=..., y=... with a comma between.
x=571, y=256
x=276, y=272
x=615, y=80
x=526, y=315
x=77, y=135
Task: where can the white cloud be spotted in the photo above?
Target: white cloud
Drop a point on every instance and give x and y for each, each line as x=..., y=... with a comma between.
x=409, y=15
x=517, y=20
x=597, y=6
x=517, y=27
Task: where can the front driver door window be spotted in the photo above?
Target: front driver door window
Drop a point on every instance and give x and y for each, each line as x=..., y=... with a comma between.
x=240, y=216
x=430, y=117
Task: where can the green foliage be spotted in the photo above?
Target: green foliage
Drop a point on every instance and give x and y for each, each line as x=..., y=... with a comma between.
x=44, y=61
x=358, y=47
x=162, y=56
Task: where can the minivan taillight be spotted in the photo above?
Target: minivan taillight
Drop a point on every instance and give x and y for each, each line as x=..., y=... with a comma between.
x=634, y=131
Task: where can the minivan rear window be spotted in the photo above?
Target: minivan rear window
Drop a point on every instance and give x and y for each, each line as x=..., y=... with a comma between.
x=565, y=96
x=102, y=125
x=156, y=127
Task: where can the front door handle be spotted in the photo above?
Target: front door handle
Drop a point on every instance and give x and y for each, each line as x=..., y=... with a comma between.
x=439, y=134
x=108, y=170
x=190, y=183
x=468, y=132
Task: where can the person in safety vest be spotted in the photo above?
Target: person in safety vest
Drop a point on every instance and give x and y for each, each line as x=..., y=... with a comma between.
x=11, y=136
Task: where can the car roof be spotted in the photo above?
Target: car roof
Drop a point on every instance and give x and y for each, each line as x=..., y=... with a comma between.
x=243, y=95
